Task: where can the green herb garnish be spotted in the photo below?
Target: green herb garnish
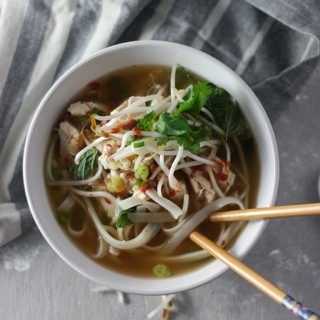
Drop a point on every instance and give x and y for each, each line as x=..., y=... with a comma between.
x=96, y=110
x=87, y=162
x=146, y=123
x=196, y=98
x=226, y=112
x=123, y=218
x=138, y=144
x=133, y=140
x=177, y=128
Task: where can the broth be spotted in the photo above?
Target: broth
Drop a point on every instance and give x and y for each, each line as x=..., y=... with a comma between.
x=111, y=90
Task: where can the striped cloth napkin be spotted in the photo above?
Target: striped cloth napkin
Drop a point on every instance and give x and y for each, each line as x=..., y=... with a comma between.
x=272, y=44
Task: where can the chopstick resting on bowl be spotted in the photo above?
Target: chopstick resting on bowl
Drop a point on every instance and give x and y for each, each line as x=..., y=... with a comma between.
x=254, y=278
x=267, y=213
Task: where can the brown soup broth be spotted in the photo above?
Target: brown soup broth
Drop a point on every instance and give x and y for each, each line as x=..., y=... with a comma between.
x=111, y=90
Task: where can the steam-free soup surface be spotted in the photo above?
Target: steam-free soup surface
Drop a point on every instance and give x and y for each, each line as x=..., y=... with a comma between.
x=142, y=155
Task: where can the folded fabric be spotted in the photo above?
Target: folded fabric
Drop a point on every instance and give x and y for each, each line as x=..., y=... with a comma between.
x=273, y=45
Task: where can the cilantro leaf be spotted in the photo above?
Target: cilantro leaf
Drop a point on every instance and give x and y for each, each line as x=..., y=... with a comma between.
x=226, y=112
x=123, y=218
x=196, y=98
x=87, y=162
x=177, y=128
x=172, y=126
x=146, y=123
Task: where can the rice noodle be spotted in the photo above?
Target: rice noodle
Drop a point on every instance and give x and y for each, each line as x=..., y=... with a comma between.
x=173, y=83
x=195, y=220
x=102, y=249
x=159, y=186
x=152, y=217
x=214, y=182
x=187, y=257
x=208, y=113
x=134, y=108
x=135, y=200
x=174, y=210
x=67, y=204
x=96, y=194
x=185, y=206
x=77, y=233
x=172, y=180
x=148, y=232
x=188, y=164
x=197, y=158
x=88, y=147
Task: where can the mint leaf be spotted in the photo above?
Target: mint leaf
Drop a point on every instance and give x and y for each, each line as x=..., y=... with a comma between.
x=146, y=123
x=196, y=98
x=123, y=218
x=226, y=112
x=235, y=124
x=87, y=162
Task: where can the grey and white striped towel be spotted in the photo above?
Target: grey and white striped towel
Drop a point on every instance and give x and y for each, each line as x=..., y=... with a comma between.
x=272, y=44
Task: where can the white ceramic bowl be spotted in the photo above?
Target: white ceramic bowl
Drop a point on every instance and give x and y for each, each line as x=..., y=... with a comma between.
x=107, y=60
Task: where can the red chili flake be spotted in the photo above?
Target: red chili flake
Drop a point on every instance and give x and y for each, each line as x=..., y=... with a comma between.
x=129, y=175
x=137, y=132
x=114, y=130
x=128, y=125
x=222, y=243
x=107, y=200
x=172, y=193
x=221, y=163
x=221, y=176
x=144, y=187
x=94, y=85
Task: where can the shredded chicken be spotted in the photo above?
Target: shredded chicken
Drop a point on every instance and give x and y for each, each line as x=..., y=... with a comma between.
x=70, y=139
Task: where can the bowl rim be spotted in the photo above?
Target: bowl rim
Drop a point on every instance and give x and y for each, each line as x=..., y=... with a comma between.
x=128, y=284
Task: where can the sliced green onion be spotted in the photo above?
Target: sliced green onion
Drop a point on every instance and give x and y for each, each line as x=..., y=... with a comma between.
x=161, y=270
x=143, y=171
x=138, y=144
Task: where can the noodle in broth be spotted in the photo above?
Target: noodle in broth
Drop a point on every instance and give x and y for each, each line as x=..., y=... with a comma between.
x=140, y=158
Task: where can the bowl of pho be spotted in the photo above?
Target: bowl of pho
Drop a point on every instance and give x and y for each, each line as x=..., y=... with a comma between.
x=135, y=147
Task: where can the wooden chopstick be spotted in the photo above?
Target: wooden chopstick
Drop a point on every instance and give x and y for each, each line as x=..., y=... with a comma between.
x=253, y=277
x=267, y=213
